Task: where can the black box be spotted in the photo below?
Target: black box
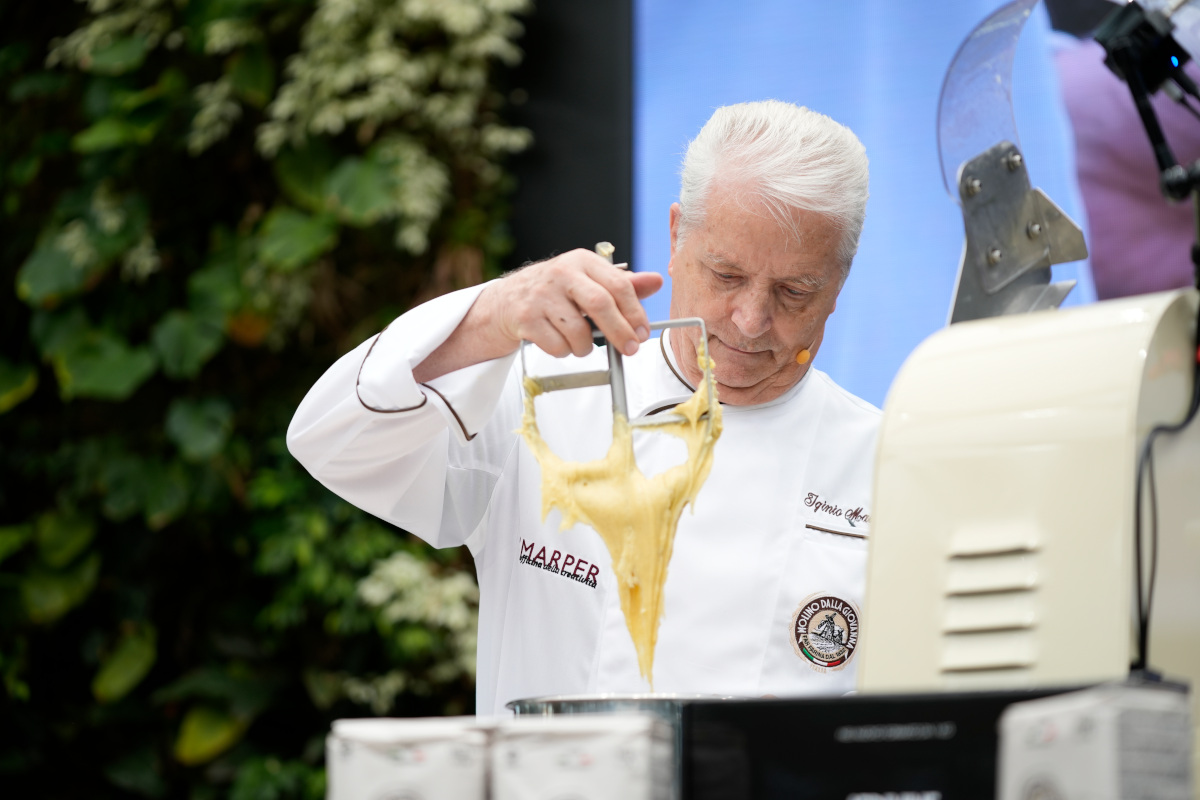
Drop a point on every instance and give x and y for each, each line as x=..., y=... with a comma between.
x=861, y=747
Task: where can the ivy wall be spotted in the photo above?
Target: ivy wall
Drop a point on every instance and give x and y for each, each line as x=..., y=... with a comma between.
x=202, y=204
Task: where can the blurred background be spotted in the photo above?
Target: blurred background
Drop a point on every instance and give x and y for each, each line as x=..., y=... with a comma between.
x=204, y=202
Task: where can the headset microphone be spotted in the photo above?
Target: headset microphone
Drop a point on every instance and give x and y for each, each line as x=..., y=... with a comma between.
x=805, y=355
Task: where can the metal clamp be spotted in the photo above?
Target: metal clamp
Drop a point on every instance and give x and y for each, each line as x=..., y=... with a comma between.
x=579, y=380
x=1014, y=233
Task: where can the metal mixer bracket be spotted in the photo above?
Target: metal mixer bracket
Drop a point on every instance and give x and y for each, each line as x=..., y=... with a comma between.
x=614, y=376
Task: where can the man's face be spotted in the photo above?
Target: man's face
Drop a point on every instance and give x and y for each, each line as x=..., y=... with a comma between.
x=763, y=296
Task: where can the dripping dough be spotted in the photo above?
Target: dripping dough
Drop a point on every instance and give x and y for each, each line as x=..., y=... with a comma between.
x=636, y=516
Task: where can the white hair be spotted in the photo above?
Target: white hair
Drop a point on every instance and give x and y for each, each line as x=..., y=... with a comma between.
x=789, y=157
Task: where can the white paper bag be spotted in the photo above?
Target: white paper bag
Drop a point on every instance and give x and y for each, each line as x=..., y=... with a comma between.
x=407, y=759
x=1113, y=742
x=583, y=757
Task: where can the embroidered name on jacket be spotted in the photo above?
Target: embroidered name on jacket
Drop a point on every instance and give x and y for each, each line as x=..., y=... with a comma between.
x=852, y=516
x=559, y=563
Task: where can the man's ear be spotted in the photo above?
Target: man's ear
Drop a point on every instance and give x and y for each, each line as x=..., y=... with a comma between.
x=676, y=213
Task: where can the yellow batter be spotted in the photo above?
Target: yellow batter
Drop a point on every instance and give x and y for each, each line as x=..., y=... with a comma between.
x=636, y=516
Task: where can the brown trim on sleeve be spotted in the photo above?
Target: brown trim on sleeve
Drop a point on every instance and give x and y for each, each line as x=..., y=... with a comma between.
x=457, y=418
x=358, y=379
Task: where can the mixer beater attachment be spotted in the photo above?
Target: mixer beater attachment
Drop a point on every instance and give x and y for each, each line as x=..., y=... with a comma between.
x=614, y=376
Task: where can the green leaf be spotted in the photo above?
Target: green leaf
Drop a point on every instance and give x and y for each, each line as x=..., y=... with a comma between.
x=291, y=238
x=324, y=688
x=166, y=496
x=102, y=366
x=56, y=333
x=199, y=427
x=13, y=56
x=304, y=173
x=415, y=641
x=13, y=538
x=14, y=665
x=207, y=732
x=52, y=142
x=17, y=383
x=272, y=488
x=60, y=538
x=235, y=686
x=102, y=95
x=119, y=57
x=360, y=192
x=261, y=778
x=126, y=665
x=37, y=84
x=202, y=11
x=24, y=169
x=48, y=274
x=171, y=84
x=252, y=74
x=71, y=257
x=216, y=290
x=138, y=772
x=111, y=243
x=124, y=481
x=111, y=132
x=184, y=342
x=47, y=595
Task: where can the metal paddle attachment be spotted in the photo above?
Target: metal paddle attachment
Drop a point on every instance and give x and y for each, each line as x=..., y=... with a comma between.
x=614, y=376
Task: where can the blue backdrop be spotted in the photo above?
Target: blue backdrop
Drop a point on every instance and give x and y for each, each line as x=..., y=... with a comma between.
x=876, y=66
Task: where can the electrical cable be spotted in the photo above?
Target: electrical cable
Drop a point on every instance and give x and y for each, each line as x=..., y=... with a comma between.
x=1145, y=467
x=1134, y=41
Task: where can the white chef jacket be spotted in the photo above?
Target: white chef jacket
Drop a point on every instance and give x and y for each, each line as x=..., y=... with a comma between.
x=780, y=524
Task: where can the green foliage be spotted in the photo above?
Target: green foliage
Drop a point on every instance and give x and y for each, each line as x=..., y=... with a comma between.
x=271, y=779
x=291, y=239
x=184, y=341
x=138, y=772
x=47, y=593
x=17, y=382
x=207, y=732
x=202, y=204
x=126, y=665
x=60, y=538
x=13, y=538
x=101, y=364
x=200, y=428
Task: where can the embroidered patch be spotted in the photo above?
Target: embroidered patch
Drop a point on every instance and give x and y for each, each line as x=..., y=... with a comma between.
x=824, y=631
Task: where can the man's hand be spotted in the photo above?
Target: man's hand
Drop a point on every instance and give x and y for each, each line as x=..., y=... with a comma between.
x=545, y=303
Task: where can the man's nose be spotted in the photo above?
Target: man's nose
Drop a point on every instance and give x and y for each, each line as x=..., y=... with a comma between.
x=752, y=313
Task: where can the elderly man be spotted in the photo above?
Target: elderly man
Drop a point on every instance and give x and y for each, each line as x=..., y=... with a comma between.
x=418, y=426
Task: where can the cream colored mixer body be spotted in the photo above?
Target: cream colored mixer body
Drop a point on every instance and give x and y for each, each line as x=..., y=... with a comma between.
x=1002, y=548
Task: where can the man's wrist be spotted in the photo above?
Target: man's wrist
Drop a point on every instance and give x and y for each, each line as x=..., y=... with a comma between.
x=478, y=337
